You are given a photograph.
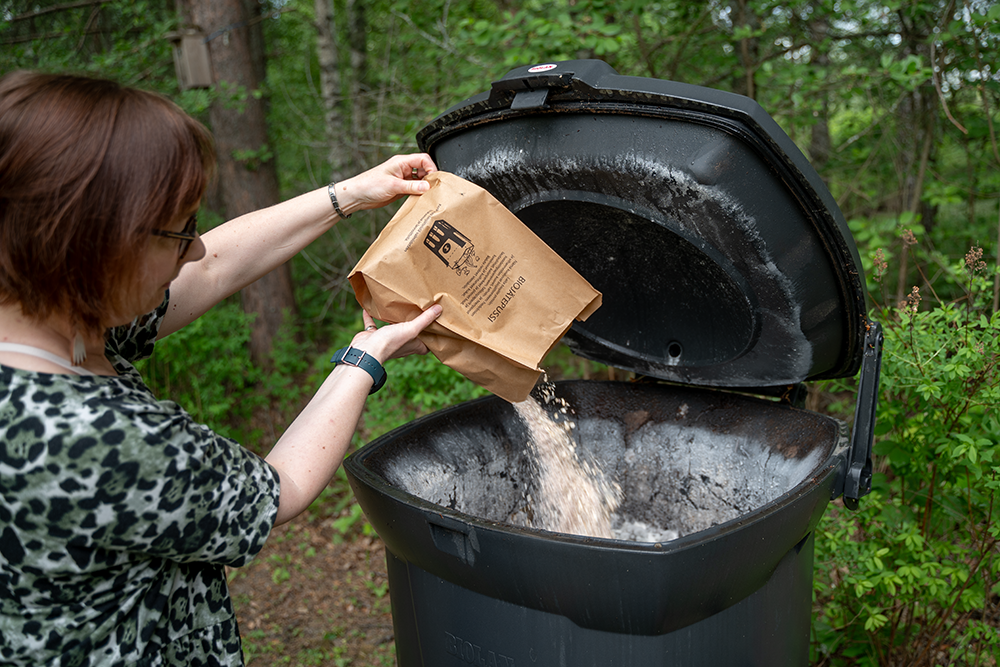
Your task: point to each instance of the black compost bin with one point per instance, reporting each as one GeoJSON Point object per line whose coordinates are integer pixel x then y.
{"type": "Point", "coordinates": [727, 270]}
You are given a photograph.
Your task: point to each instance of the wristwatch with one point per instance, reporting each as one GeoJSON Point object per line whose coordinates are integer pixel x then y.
{"type": "Point", "coordinates": [352, 356]}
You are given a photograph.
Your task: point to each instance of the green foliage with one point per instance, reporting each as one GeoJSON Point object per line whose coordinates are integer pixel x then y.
{"type": "Point", "coordinates": [252, 158]}
{"type": "Point", "coordinates": [541, 31]}
{"type": "Point", "coordinates": [417, 385]}
{"type": "Point", "coordinates": [206, 368]}
{"type": "Point", "coordinates": [125, 41]}
{"type": "Point", "coordinates": [350, 522]}
{"type": "Point", "coordinates": [912, 577]}
{"type": "Point", "coordinates": [280, 574]}
{"type": "Point", "coordinates": [563, 364]}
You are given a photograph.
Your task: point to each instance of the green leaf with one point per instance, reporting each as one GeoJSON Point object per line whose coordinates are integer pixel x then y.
{"type": "Point", "coordinates": [875, 621]}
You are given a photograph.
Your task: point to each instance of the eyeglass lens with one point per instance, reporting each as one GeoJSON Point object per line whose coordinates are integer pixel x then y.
{"type": "Point", "coordinates": [190, 228]}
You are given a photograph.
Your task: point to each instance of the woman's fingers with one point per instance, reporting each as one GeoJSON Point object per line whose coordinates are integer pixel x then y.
{"type": "Point", "coordinates": [368, 320]}
{"type": "Point", "coordinates": [395, 340]}
{"type": "Point", "coordinates": [416, 166]}
{"type": "Point", "coordinates": [389, 181]}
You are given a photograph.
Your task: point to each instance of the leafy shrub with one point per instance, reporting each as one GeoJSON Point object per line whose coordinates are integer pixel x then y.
{"type": "Point", "coordinates": [206, 368]}
{"type": "Point", "coordinates": [912, 577]}
{"type": "Point", "coordinates": [417, 385]}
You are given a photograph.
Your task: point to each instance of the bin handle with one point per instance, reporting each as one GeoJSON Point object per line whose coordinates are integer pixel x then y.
{"type": "Point", "coordinates": [532, 92]}
{"type": "Point", "coordinates": [858, 482]}
{"type": "Point", "coordinates": [454, 538]}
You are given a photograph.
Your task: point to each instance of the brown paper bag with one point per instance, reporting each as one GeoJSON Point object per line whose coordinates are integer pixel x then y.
{"type": "Point", "coordinates": [508, 298]}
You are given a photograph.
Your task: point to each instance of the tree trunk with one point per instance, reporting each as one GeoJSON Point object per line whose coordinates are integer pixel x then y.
{"type": "Point", "coordinates": [916, 123]}
{"type": "Point", "coordinates": [819, 137]}
{"type": "Point", "coordinates": [747, 49]}
{"type": "Point", "coordinates": [357, 41]}
{"type": "Point", "coordinates": [248, 178]}
{"type": "Point", "coordinates": [330, 90]}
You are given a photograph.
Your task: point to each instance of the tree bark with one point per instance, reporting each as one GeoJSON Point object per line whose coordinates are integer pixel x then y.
{"type": "Point", "coordinates": [819, 136]}
{"type": "Point", "coordinates": [248, 177]}
{"type": "Point", "coordinates": [357, 41]}
{"type": "Point", "coordinates": [915, 131]}
{"type": "Point", "coordinates": [747, 49]}
{"type": "Point", "coordinates": [330, 84]}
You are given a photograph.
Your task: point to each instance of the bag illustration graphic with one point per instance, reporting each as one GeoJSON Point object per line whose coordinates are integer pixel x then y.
{"type": "Point", "coordinates": [451, 246]}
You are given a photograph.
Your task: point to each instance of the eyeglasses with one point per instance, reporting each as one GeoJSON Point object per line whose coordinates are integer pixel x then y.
{"type": "Point", "coordinates": [186, 235]}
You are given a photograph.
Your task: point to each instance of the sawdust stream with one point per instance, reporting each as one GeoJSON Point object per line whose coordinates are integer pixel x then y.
{"type": "Point", "coordinates": [573, 494]}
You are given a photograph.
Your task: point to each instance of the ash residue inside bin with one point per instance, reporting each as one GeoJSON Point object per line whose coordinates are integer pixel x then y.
{"type": "Point", "coordinates": [682, 466]}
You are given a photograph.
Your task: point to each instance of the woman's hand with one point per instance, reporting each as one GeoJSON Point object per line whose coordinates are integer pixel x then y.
{"type": "Point", "coordinates": [393, 341]}
{"type": "Point", "coordinates": [398, 176]}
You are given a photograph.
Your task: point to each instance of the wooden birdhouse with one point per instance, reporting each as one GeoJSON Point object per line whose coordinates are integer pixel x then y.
{"type": "Point", "coordinates": [191, 59]}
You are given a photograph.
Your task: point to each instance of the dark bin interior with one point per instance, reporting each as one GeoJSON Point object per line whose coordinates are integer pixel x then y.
{"type": "Point", "coordinates": [686, 461]}
{"type": "Point", "coordinates": [744, 480]}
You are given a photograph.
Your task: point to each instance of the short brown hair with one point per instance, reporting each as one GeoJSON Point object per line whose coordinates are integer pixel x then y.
{"type": "Point", "coordinates": [88, 168]}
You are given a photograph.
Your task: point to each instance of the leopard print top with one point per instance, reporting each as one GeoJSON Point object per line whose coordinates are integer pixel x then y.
{"type": "Point", "coordinates": [118, 514]}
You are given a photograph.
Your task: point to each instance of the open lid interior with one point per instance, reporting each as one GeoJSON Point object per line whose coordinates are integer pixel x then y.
{"type": "Point", "coordinates": [722, 258]}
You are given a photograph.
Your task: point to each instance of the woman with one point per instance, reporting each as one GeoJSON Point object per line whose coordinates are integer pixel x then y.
{"type": "Point", "coordinates": [118, 513]}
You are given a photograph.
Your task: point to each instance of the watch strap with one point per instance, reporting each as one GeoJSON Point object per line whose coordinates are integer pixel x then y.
{"type": "Point", "coordinates": [352, 356]}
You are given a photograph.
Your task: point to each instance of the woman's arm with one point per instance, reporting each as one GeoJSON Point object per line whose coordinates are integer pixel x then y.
{"type": "Point", "coordinates": [308, 453]}
{"type": "Point", "coordinates": [247, 248]}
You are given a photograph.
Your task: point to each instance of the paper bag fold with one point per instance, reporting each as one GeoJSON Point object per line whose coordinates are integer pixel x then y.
{"type": "Point", "coordinates": [507, 297]}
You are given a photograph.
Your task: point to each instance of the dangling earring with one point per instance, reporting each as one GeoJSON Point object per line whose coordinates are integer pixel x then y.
{"type": "Point", "coordinates": [79, 349]}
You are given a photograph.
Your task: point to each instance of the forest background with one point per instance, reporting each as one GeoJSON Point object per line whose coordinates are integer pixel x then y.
{"type": "Point", "coordinates": [895, 104]}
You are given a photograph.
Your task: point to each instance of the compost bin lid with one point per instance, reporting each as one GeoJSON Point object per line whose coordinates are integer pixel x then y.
{"type": "Point", "coordinates": [722, 257]}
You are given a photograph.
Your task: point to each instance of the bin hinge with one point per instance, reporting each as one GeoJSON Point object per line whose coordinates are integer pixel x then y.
{"type": "Point", "coordinates": [858, 481]}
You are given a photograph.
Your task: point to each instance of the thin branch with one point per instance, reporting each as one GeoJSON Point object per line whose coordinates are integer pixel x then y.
{"type": "Point", "coordinates": [936, 78]}
{"type": "Point", "coordinates": [943, 616]}
{"type": "Point", "coordinates": [648, 52]}
{"type": "Point", "coordinates": [875, 123]}
{"type": "Point", "coordinates": [996, 276]}
{"type": "Point", "coordinates": [51, 35]}
{"type": "Point", "coordinates": [448, 48]}
{"type": "Point", "coordinates": [90, 25]}
{"type": "Point", "coordinates": [56, 8]}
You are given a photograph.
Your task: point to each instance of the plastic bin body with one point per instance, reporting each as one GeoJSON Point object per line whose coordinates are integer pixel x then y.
{"type": "Point", "coordinates": [439, 623]}
{"type": "Point", "coordinates": [735, 587]}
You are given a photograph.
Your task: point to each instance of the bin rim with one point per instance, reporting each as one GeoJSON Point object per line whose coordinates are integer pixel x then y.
{"type": "Point", "coordinates": [833, 465]}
